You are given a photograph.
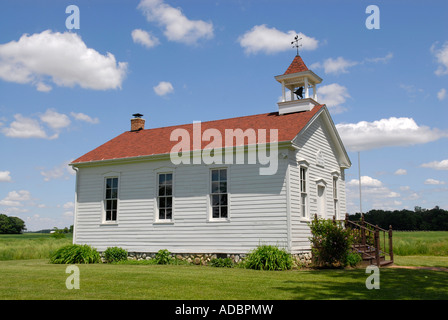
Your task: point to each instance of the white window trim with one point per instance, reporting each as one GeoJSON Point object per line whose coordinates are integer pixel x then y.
{"type": "Point", "coordinates": [336, 208]}
{"type": "Point", "coordinates": [304, 164]}
{"type": "Point", "coordinates": [336, 192]}
{"type": "Point", "coordinates": [335, 187]}
{"type": "Point", "coordinates": [105, 176]}
{"type": "Point", "coordinates": [209, 194]}
{"type": "Point", "coordinates": [158, 171]}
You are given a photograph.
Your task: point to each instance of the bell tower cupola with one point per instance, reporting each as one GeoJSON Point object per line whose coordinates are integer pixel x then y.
{"type": "Point", "coordinates": [300, 81]}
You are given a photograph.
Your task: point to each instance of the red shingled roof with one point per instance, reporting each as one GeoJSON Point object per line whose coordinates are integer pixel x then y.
{"type": "Point", "coordinates": [157, 141]}
{"type": "Point", "coordinates": [297, 65]}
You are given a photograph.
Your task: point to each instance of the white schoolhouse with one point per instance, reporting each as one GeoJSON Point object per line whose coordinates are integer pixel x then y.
{"type": "Point", "coordinates": [151, 188]}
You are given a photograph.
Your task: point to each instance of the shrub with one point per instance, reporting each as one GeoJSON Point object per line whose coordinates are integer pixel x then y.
{"type": "Point", "coordinates": [75, 253]}
{"type": "Point", "coordinates": [163, 257]}
{"type": "Point", "coordinates": [268, 257]}
{"type": "Point", "coordinates": [353, 258]}
{"type": "Point", "coordinates": [115, 254]}
{"type": "Point", "coordinates": [331, 243]}
{"type": "Point", "coordinates": [221, 263]}
{"type": "Point", "coordinates": [58, 234]}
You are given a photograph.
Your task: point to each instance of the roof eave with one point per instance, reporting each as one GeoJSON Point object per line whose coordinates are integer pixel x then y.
{"type": "Point", "coordinates": [163, 156]}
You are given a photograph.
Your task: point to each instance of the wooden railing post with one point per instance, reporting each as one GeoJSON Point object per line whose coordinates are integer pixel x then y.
{"type": "Point", "coordinates": [391, 250]}
{"type": "Point", "coordinates": [377, 245]}
{"type": "Point", "coordinates": [363, 231]}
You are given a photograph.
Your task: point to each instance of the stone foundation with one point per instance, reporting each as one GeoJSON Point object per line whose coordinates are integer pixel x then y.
{"type": "Point", "coordinates": [303, 259]}
{"type": "Point", "coordinates": [194, 258]}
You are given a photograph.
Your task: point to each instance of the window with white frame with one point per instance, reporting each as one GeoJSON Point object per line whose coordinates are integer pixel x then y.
{"type": "Point", "coordinates": [335, 196]}
{"type": "Point", "coordinates": [303, 191]}
{"type": "Point", "coordinates": [219, 194]}
{"type": "Point", "coordinates": [165, 196]}
{"type": "Point", "coordinates": [111, 199]}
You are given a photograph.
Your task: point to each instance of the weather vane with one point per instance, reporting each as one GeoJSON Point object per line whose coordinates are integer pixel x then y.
{"type": "Point", "coordinates": [296, 44]}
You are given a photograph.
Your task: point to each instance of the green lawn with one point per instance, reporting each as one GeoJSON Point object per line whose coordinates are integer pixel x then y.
{"type": "Point", "coordinates": [36, 279]}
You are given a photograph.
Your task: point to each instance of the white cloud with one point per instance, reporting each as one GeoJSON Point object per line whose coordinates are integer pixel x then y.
{"type": "Point", "coordinates": [341, 65]}
{"type": "Point", "coordinates": [144, 38]}
{"type": "Point", "coordinates": [55, 119]}
{"type": "Point", "coordinates": [434, 182]}
{"type": "Point", "coordinates": [68, 214]}
{"type": "Point", "coordinates": [42, 87]}
{"type": "Point", "coordinates": [24, 127]}
{"type": "Point", "coordinates": [163, 88]}
{"type": "Point", "coordinates": [366, 181]}
{"type": "Point", "coordinates": [68, 205]}
{"type": "Point", "coordinates": [62, 171]}
{"type": "Point", "coordinates": [334, 66]}
{"type": "Point", "coordinates": [441, 55]}
{"type": "Point", "coordinates": [401, 172]}
{"type": "Point", "coordinates": [83, 117]}
{"type": "Point", "coordinates": [384, 59]}
{"type": "Point", "coordinates": [441, 94]}
{"type": "Point", "coordinates": [333, 95]}
{"type": "Point", "coordinates": [438, 165]}
{"type": "Point", "coordinates": [5, 176]}
{"type": "Point", "coordinates": [374, 194]}
{"type": "Point", "coordinates": [62, 58]}
{"type": "Point", "coordinates": [270, 40]}
{"type": "Point", "coordinates": [385, 133]}
{"type": "Point", "coordinates": [15, 198]}
{"type": "Point", "coordinates": [177, 26]}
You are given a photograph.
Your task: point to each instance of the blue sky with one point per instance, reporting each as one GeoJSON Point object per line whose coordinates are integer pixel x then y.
{"type": "Point", "coordinates": [64, 92]}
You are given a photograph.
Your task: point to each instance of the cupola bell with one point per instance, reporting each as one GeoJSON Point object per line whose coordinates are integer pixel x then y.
{"type": "Point", "coordinates": [300, 81]}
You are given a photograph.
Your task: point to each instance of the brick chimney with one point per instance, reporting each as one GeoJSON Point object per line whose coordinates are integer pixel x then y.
{"type": "Point", "coordinates": [137, 123]}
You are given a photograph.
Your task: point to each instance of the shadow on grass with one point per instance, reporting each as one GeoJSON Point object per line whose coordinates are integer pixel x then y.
{"type": "Point", "coordinates": [395, 284]}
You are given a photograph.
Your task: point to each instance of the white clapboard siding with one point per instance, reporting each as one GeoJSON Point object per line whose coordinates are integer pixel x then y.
{"type": "Point", "coordinates": [263, 209]}
{"type": "Point", "coordinates": [316, 138]}
{"type": "Point", "coordinates": [258, 209]}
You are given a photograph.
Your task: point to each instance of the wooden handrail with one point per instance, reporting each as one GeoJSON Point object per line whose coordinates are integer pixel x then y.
{"type": "Point", "coordinates": [364, 228]}
{"type": "Point", "coordinates": [376, 227]}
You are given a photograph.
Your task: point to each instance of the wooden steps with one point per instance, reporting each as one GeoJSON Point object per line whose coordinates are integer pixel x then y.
{"type": "Point", "coordinates": [368, 254]}
{"type": "Point", "coordinates": [373, 253]}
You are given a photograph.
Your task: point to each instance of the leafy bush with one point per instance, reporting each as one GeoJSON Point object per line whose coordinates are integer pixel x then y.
{"type": "Point", "coordinates": [115, 254]}
{"type": "Point", "coordinates": [268, 257]}
{"type": "Point", "coordinates": [58, 234]}
{"type": "Point", "coordinates": [75, 253]}
{"type": "Point", "coordinates": [331, 243]}
{"type": "Point", "coordinates": [221, 263]}
{"type": "Point", "coordinates": [163, 257]}
{"type": "Point", "coordinates": [353, 258]}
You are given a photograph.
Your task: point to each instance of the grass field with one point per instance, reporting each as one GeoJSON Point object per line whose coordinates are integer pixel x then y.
{"type": "Point", "coordinates": [36, 279]}
{"type": "Point", "coordinates": [29, 245]}
{"type": "Point", "coordinates": [26, 275]}
{"type": "Point", "coordinates": [433, 243]}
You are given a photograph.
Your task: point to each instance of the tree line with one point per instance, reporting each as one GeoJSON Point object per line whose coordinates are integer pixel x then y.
{"type": "Point", "coordinates": [11, 225]}
{"type": "Point", "coordinates": [435, 219]}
